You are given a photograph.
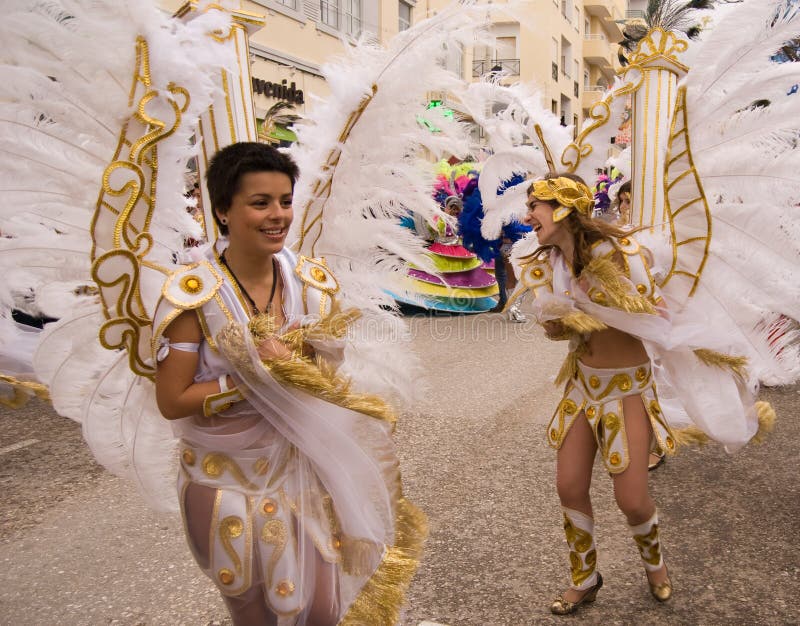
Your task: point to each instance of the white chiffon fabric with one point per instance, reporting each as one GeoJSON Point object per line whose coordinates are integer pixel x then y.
{"type": "Point", "coordinates": [691, 393]}
{"type": "Point", "coordinates": [330, 451]}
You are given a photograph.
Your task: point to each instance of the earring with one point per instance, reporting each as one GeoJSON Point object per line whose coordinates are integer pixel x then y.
{"type": "Point", "coordinates": [224, 220]}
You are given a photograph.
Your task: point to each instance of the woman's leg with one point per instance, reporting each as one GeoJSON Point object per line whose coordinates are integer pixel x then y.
{"type": "Point", "coordinates": [324, 609]}
{"type": "Point", "coordinates": [574, 463]}
{"type": "Point", "coordinates": [248, 608]}
{"type": "Point", "coordinates": [631, 488]}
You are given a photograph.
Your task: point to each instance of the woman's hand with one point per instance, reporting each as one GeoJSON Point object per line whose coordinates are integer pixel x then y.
{"type": "Point", "coordinates": [272, 349]}
{"type": "Point", "coordinates": [554, 328]}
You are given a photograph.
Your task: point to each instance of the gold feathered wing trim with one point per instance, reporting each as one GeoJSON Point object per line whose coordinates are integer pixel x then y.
{"type": "Point", "coordinates": [610, 276]}
{"type": "Point", "coordinates": [736, 364]}
{"type": "Point", "coordinates": [316, 377]}
{"type": "Point", "coordinates": [766, 422]}
{"type": "Point", "coordinates": [379, 601]}
{"type": "Point", "coordinates": [23, 390]}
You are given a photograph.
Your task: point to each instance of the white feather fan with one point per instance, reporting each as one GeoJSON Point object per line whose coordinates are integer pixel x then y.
{"type": "Point", "coordinates": [65, 83]}
{"type": "Point", "coordinates": [364, 158]}
{"type": "Point", "coordinates": [744, 128]}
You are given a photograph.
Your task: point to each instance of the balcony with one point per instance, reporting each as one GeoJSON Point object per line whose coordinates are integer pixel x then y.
{"type": "Point", "coordinates": [591, 94]}
{"type": "Point", "coordinates": [507, 67]}
{"type": "Point", "coordinates": [597, 51]}
{"type": "Point", "coordinates": [599, 8]}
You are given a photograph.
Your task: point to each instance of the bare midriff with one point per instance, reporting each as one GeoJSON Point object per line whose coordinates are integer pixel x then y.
{"type": "Point", "coordinates": [611, 348]}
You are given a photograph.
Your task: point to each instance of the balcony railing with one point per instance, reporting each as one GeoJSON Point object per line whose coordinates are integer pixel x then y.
{"type": "Point", "coordinates": [595, 36]}
{"type": "Point", "coordinates": [599, 88]}
{"type": "Point", "coordinates": [576, 88]}
{"type": "Point", "coordinates": [634, 15]}
{"type": "Point", "coordinates": [509, 67]}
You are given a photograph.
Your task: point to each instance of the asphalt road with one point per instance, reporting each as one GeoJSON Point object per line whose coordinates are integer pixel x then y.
{"type": "Point", "coordinates": [79, 546]}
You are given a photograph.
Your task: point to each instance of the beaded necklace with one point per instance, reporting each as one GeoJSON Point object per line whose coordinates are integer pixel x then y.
{"type": "Point", "coordinates": [252, 302]}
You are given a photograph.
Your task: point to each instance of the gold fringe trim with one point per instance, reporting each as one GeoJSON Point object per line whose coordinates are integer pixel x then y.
{"type": "Point", "coordinates": [569, 368]}
{"type": "Point", "coordinates": [766, 422]}
{"type": "Point", "coordinates": [321, 380]}
{"type": "Point", "coordinates": [316, 377]}
{"type": "Point", "coordinates": [24, 390]}
{"type": "Point", "coordinates": [582, 323]}
{"type": "Point", "coordinates": [736, 364]}
{"type": "Point", "coordinates": [610, 276]}
{"type": "Point", "coordinates": [379, 601]}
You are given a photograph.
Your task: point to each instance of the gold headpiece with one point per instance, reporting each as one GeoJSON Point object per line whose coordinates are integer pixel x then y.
{"type": "Point", "coordinates": [570, 195]}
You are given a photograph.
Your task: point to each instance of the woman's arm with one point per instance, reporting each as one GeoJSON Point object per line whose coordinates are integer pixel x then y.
{"type": "Point", "coordinates": [176, 392]}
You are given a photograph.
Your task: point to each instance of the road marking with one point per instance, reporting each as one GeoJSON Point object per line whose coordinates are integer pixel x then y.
{"type": "Point", "coordinates": [17, 446]}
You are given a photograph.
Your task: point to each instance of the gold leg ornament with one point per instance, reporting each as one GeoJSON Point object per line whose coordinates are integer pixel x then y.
{"type": "Point", "coordinates": [646, 537]}
{"type": "Point", "coordinates": [579, 530]}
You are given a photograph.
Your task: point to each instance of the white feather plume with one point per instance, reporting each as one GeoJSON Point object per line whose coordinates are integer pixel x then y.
{"type": "Point", "coordinates": [364, 165]}
{"type": "Point", "coordinates": [66, 70]}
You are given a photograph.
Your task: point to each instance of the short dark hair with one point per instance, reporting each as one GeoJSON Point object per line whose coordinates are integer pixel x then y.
{"type": "Point", "coordinates": [624, 188]}
{"type": "Point", "coordinates": [234, 161]}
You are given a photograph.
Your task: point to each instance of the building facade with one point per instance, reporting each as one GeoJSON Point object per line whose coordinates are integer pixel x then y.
{"type": "Point", "coordinates": [567, 47]}
{"type": "Point", "coordinates": [299, 36]}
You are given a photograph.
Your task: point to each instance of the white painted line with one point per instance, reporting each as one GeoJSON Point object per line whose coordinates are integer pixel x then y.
{"type": "Point", "coordinates": [17, 446]}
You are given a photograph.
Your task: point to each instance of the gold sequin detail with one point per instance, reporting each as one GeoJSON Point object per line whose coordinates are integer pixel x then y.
{"type": "Point", "coordinates": [649, 546]}
{"type": "Point", "coordinates": [670, 443]}
{"type": "Point", "coordinates": [226, 576]}
{"type": "Point", "coordinates": [261, 466]}
{"type": "Point", "coordinates": [611, 421]}
{"type": "Point", "coordinates": [625, 241]}
{"type": "Point", "coordinates": [285, 588]}
{"type": "Point", "coordinates": [189, 456]}
{"type": "Point", "coordinates": [590, 412]}
{"type": "Point", "coordinates": [626, 384]}
{"type": "Point", "coordinates": [594, 381]}
{"type": "Point", "coordinates": [268, 506]}
{"type": "Point", "coordinates": [538, 273]}
{"type": "Point", "coordinates": [553, 434]}
{"type": "Point", "coordinates": [614, 459]}
{"type": "Point", "coordinates": [191, 284]}
{"type": "Point", "coordinates": [569, 407]}
{"type": "Point", "coordinates": [642, 289]}
{"type": "Point", "coordinates": [599, 297]}
{"type": "Point", "coordinates": [318, 275]}
{"type": "Point", "coordinates": [641, 374]}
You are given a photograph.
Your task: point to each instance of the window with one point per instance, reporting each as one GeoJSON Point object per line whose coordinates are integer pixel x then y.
{"type": "Point", "coordinates": [351, 16]}
{"type": "Point", "coordinates": [506, 47]}
{"type": "Point", "coordinates": [292, 4]}
{"type": "Point", "coordinates": [554, 106]}
{"type": "Point", "coordinates": [586, 79]}
{"type": "Point", "coordinates": [344, 15]}
{"type": "Point", "coordinates": [555, 50]}
{"type": "Point", "coordinates": [404, 22]}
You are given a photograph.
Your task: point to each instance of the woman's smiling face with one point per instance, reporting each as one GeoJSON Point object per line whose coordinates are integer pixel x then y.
{"type": "Point", "coordinates": [540, 218]}
{"type": "Point", "coordinates": [261, 212]}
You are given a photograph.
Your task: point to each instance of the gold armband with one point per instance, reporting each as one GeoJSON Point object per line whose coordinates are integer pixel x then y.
{"type": "Point", "coordinates": [219, 402]}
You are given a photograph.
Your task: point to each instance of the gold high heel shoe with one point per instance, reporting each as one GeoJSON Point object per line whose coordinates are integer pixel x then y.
{"type": "Point", "coordinates": [561, 606]}
{"type": "Point", "coordinates": [662, 591]}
